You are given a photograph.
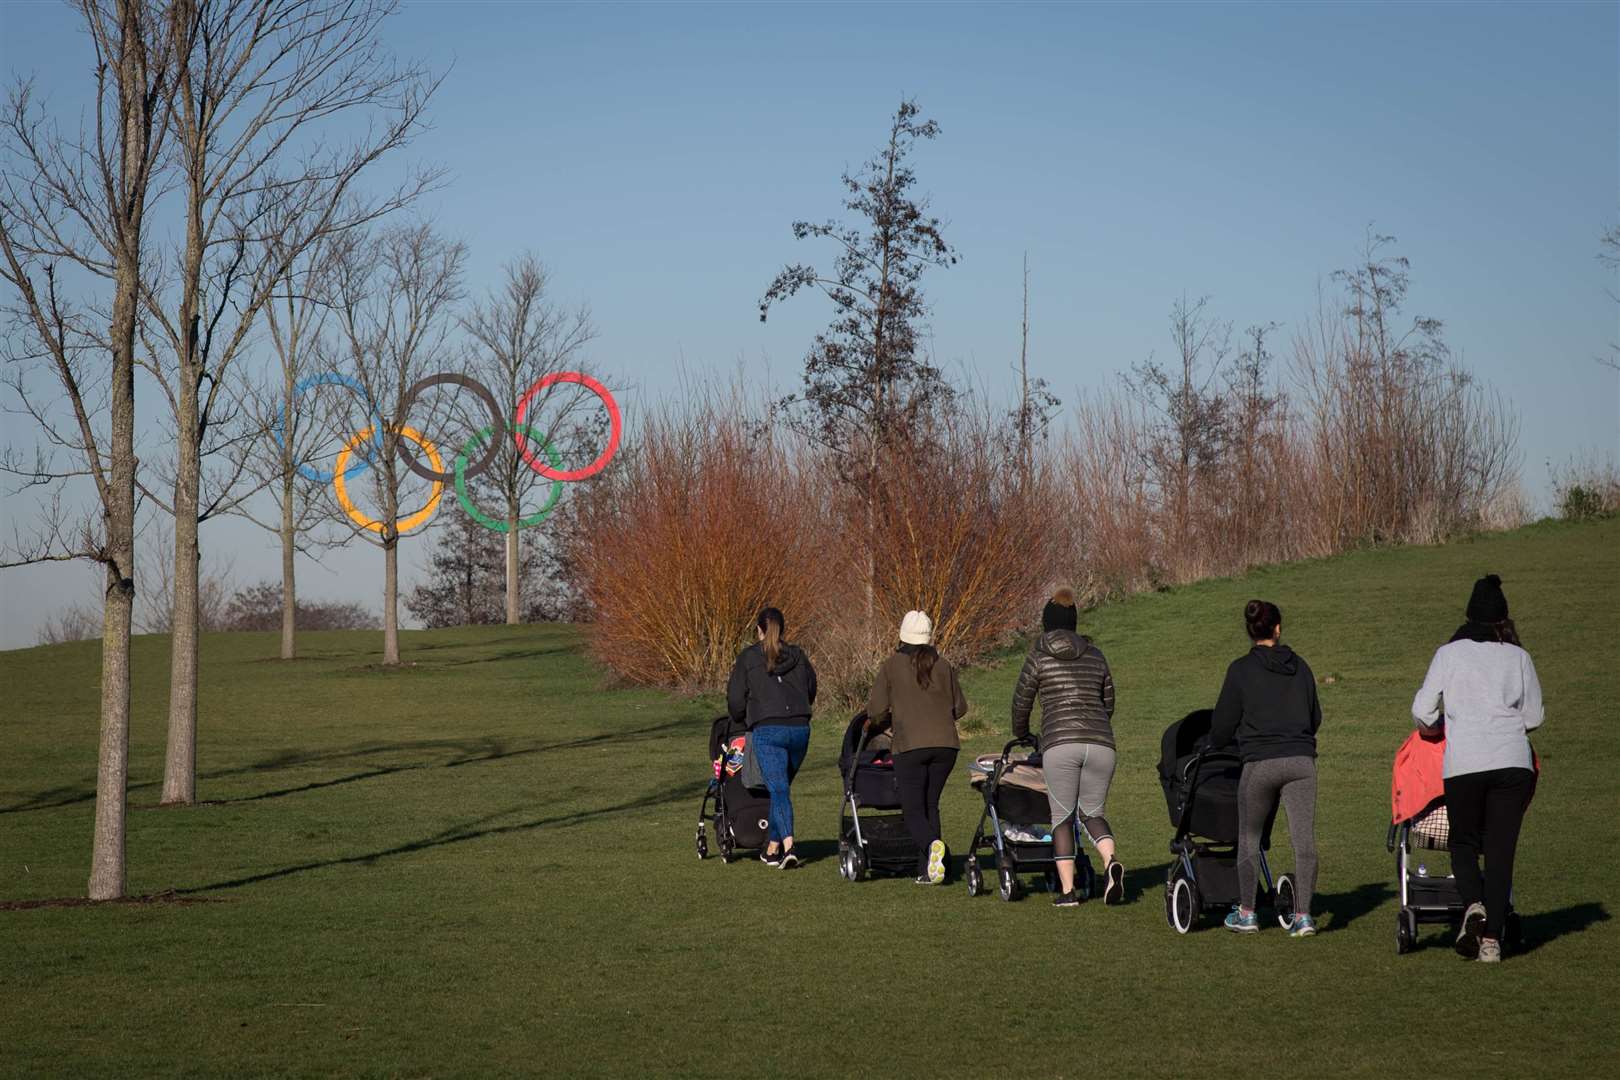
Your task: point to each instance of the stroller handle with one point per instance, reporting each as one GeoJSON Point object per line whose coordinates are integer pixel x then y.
{"type": "Point", "coordinates": [1030, 741]}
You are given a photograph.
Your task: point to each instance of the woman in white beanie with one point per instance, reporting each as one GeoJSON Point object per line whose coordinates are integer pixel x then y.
{"type": "Point", "coordinates": [917, 689]}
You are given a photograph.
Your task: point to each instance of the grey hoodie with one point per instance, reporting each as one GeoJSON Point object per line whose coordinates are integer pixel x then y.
{"type": "Point", "coordinates": [1076, 689]}
{"type": "Point", "coordinates": [1491, 700]}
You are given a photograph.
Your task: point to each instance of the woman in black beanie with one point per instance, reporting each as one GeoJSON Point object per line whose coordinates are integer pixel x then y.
{"type": "Point", "coordinates": [1076, 689]}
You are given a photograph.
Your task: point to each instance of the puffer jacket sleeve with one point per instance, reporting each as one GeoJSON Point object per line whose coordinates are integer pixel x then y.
{"type": "Point", "coordinates": [1107, 686]}
{"type": "Point", "coordinates": [1023, 702]}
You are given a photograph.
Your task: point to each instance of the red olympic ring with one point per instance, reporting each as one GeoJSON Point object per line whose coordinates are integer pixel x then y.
{"type": "Point", "coordinates": [615, 428]}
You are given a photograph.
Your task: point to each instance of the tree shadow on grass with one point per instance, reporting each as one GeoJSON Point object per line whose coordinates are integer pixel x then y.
{"type": "Point", "coordinates": [1346, 907]}
{"type": "Point", "coordinates": [456, 834]}
{"type": "Point", "coordinates": [1544, 926]}
{"type": "Point", "coordinates": [461, 752]}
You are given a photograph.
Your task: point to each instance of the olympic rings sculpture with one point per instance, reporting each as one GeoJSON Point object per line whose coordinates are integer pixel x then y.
{"type": "Point", "coordinates": [360, 448]}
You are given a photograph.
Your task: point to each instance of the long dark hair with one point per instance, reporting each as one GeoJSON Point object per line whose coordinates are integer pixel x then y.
{"type": "Point", "coordinates": [1261, 618]}
{"type": "Point", "coordinates": [773, 626]}
{"type": "Point", "coordinates": [1502, 631]}
{"type": "Point", "coordinates": [922, 664]}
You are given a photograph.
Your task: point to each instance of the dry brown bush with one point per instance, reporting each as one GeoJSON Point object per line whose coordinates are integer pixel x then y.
{"type": "Point", "coordinates": [706, 519]}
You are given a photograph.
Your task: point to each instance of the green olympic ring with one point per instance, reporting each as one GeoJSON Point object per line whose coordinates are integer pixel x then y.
{"type": "Point", "coordinates": [461, 480]}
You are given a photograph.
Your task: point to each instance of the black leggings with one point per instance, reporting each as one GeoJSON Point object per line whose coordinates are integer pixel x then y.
{"type": "Point", "coordinates": [1485, 811]}
{"type": "Point", "coordinates": [921, 775]}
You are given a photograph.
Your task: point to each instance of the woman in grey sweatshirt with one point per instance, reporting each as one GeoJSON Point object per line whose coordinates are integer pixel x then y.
{"type": "Point", "coordinates": [1483, 685]}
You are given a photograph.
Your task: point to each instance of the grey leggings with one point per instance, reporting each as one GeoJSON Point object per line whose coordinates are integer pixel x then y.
{"type": "Point", "coordinates": [1292, 780]}
{"type": "Point", "coordinates": [1077, 779]}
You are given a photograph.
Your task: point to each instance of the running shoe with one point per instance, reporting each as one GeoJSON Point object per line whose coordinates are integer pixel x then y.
{"type": "Point", "coordinates": [1242, 922]}
{"type": "Point", "coordinates": [921, 879]}
{"type": "Point", "coordinates": [936, 862]}
{"type": "Point", "coordinates": [1302, 926]}
{"type": "Point", "coordinates": [1490, 951]}
{"type": "Point", "coordinates": [789, 860]}
{"type": "Point", "coordinates": [771, 858]}
{"type": "Point", "coordinates": [1066, 899]}
{"type": "Point", "coordinates": [1473, 925]}
{"type": "Point", "coordinates": [1114, 890]}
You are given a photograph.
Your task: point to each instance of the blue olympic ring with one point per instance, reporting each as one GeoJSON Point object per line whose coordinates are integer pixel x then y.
{"type": "Point", "coordinates": [332, 378]}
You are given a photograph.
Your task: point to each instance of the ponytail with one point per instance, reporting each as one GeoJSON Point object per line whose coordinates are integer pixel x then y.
{"type": "Point", "coordinates": [922, 664]}
{"type": "Point", "coordinates": [772, 625]}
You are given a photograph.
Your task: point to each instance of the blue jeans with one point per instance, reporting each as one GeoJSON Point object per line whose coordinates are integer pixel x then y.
{"type": "Point", "coordinates": [781, 749]}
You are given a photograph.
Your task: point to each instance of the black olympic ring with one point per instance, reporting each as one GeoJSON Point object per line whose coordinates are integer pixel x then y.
{"type": "Point", "coordinates": [484, 395]}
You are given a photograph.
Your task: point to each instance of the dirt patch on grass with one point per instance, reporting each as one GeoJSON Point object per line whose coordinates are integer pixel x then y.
{"type": "Point", "coordinates": [167, 897]}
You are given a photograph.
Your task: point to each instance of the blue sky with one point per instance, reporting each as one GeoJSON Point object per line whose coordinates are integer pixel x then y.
{"type": "Point", "coordinates": [654, 156]}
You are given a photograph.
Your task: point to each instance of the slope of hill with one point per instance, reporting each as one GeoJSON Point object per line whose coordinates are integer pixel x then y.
{"type": "Point", "coordinates": [482, 863]}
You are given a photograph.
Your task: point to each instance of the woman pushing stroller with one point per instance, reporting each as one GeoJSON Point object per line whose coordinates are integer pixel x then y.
{"type": "Point", "coordinates": [1268, 704]}
{"type": "Point", "coordinates": [1076, 690]}
{"type": "Point", "coordinates": [1484, 685]}
{"type": "Point", "coordinates": [917, 690]}
{"type": "Point", "coordinates": [773, 686]}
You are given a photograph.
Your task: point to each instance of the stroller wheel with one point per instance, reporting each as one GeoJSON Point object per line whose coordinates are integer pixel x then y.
{"type": "Point", "coordinates": [1405, 931]}
{"type": "Point", "coordinates": [1010, 888]}
{"type": "Point", "coordinates": [1282, 901]}
{"type": "Point", "coordinates": [728, 848]}
{"type": "Point", "coordinates": [1181, 903]}
{"type": "Point", "coordinates": [975, 878]}
{"type": "Point", "coordinates": [702, 846]}
{"type": "Point", "coordinates": [850, 863]}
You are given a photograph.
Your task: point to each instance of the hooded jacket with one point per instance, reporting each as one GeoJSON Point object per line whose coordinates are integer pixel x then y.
{"type": "Point", "coordinates": [782, 695]}
{"type": "Point", "coordinates": [1268, 705]}
{"type": "Point", "coordinates": [1076, 690]}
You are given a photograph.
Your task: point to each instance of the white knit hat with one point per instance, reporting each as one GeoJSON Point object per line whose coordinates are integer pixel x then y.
{"type": "Point", "coordinates": [916, 628]}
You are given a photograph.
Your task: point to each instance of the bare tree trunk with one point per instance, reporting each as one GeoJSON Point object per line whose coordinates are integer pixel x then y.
{"type": "Point", "coordinates": [180, 760]}
{"type": "Point", "coordinates": [108, 879]}
{"type": "Point", "coordinates": [289, 591]}
{"type": "Point", "coordinates": [513, 604]}
{"type": "Point", "coordinates": [391, 601]}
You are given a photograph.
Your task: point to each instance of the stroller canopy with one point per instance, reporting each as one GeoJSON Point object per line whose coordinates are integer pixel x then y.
{"type": "Point", "coordinates": [1182, 739]}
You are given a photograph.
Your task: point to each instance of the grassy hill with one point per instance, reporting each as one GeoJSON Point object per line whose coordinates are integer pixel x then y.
{"type": "Point", "coordinates": [482, 863]}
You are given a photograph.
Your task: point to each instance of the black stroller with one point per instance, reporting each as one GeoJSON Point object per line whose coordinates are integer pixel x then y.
{"type": "Point", "coordinates": [741, 816]}
{"type": "Point", "coordinates": [1018, 814]}
{"type": "Point", "coordinates": [869, 841]}
{"type": "Point", "coordinates": [1201, 793]}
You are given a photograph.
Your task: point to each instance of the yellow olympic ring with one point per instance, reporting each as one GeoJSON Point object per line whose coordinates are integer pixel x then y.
{"type": "Point", "coordinates": [341, 489]}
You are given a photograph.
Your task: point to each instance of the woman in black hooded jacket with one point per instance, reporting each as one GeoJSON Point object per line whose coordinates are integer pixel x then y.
{"type": "Point", "coordinates": [772, 688]}
{"type": "Point", "coordinates": [1268, 706]}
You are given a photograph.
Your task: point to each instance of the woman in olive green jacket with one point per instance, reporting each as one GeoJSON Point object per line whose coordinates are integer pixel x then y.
{"type": "Point", "coordinates": [917, 689]}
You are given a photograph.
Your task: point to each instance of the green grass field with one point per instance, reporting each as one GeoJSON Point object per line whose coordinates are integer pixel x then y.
{"type": "Point", "coordinates": [483, 864]}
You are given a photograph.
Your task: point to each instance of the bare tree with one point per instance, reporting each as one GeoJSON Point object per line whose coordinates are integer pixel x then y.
{"type": "Point", "coordinates": [868, 384]}
{"type": "Point", "coordinates": [294, 427]}
{"type": "Point", "coordinates": [1609, 258]}
{"type": "Point", "coordinates": [1186, 443]}
{"type": "Point", "coordinates": [520, 337]}
{"type": "Point", "coordinates": [1036, 402]}
{"type": "Point", "coordinates": [257, 85]}
{"type": "Point", "coordinates": [393, 298]}
{"type": "Point", "coordinates": [72, 217]}
{"type": "Point", "coordinates": [76, 622]}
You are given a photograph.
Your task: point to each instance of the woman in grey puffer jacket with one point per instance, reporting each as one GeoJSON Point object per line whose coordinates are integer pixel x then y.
{"type": "Point", "coordinates": [1076, 690]}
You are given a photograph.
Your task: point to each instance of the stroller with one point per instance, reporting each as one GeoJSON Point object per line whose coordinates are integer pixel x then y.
{"type": "Point", "coordinates": [1019, 838]}
{"type": "Point", "coordinates": [741, 816]}
{"type": "Point", "coordinates": [870, 841]}
{"type": "Point", "coordinates": [1418, 822]}
{"type": "Point", "coordinates": [1200, 791]}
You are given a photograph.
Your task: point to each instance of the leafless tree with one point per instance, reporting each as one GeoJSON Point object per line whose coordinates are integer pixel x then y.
{"type": "Point", "coordinates": [393, 300]}
{"type": "Point", "coordinates": [73, 209]}
{"type": "Point", "coordinates": [1190, 433]}
{"type": "Point", "coordinates": [294, 428]}
{"type": "Point", "coordinates": [1609, 257]}
{"type": "Point", "coordinates": [520, 337]}
{"type": "Point", "coordinates": [261, 86]}
{"type": "Point", "coordinates": [1036, 402]}
{"type": "Point", "coordinates": [76, 622]}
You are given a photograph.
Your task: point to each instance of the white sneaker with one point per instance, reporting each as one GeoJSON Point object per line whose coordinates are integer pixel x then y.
{"type": "Point", "coordinates": [1473, 924]}
{"type": "Point", "coordinates": [1490, 951]}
